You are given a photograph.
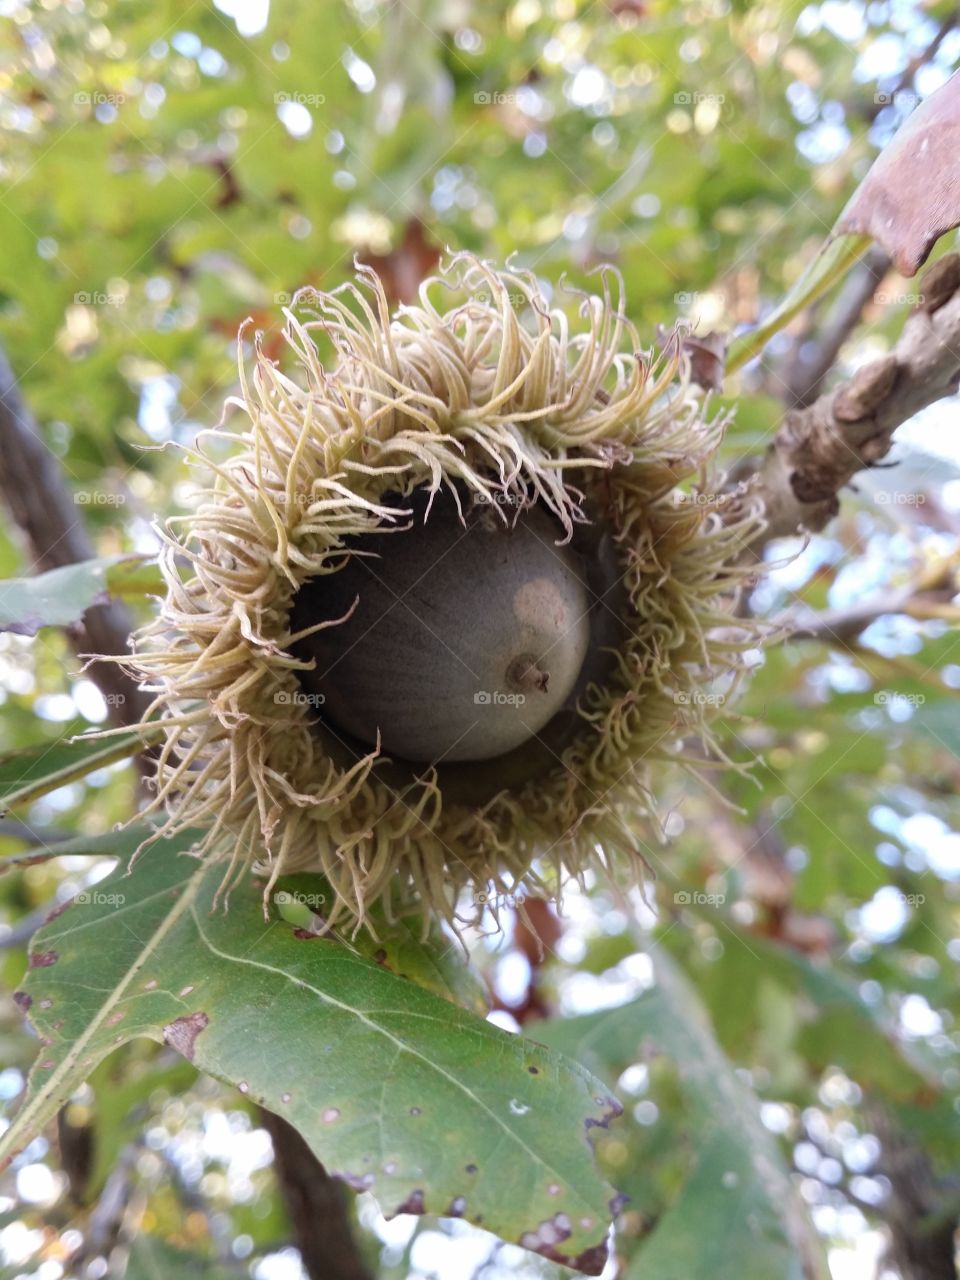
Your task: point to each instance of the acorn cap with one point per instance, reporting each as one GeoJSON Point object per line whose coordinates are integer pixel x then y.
{"type": "Point", "coordinates": [298, 742]}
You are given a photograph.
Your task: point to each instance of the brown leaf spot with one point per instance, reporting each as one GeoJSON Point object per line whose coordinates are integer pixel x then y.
{"type": "Point", "coordinates": [592, 1261]}
{"type": "Point", "coordinates": [23, 1000]}
{"type": "Point", "coordinates": [470, 1168]}
{"type": "Point", "coordinates": [414, 1203]}
{"type": "Point", "coordinates": [457, 1206]}
{"type": "Point", "coordinates": [358, 1181]}
{"type": "Point", "coordinates": [151, 985]}
{"type": "Point", "coordinates": [553, 1232]}
{"type": "Point", "coordinates": [58, 910]}
{"type": "Point", "coordinates": [618, 1202]}
{"type": "Point", "coordinates": [612, 1109]}
{"type": "Point", "coordinates": [115, 1017]}
{"type": "Point", "coordinates": [182, 1033]}
{"type": "Point", "coordinates": [43, 959]}
{"type": "Point", "coordinates": [331, 1114]}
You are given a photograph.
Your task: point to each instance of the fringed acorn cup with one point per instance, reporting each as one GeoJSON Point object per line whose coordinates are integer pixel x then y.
{"type": "Point", "coordinates": [458, 591]}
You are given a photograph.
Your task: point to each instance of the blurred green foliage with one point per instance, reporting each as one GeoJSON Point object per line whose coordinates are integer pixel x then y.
{"type": "Point", "coordinates": [168, 171]}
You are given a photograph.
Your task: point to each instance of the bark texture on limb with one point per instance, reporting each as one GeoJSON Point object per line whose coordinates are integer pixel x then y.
{"type": "Point", "coordinates": [921, 1210]}
{"type": "Point", "coordinates": [33, 487]}
{"type": "Point", "coordinates": [316, 1206]}
{"type": "Point", "coordinates": [820, 448]}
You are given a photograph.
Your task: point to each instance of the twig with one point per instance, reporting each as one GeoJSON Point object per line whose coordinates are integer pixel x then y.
{"type": "Point", "coordinates": [32, 483]}
{"type": "Point", "coordinates": [106, 1217]}
{"type": "Point", "coordinates": [14, 829]}
{"type": "Point", "coordinates": [935, 587]}
{"type": "Point", "coordinates": [815, 357]}
{"type": "Point", "coordinates": [316, 1207]}
{"type": "Point", "coordinates": [921, 1210]}
{"type": "Point", "coordinates": [913, 66]}
{"type": "Point", "coordinates": [819, 449]}
{"type": "Point", "coordinates": [19, 934]}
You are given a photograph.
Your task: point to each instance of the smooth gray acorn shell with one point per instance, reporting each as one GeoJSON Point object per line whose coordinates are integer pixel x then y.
{"type": "Point", "coordinates": [465, 641]}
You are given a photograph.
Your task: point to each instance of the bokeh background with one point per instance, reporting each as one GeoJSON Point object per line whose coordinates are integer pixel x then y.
{"type": "Point", "coordinates": [168, 170]}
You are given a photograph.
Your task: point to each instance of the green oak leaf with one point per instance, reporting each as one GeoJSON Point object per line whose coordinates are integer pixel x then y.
{"type": "Point", "coordinates": [734, 1214]}
{"type": "Point", "coordinates": [61, 596]}
{"type": "Point", "coordinates": [397, 1090]}
{"type": "Point", "coordinates": [27, 775]}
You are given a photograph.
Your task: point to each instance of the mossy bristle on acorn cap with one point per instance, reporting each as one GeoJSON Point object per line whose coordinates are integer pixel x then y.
{"type": "Point", "coordinates": [434, 425]}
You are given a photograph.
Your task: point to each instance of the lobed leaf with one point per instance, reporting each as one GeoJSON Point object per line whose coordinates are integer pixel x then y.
{"type": "Point", "coordinates": [396, 1089]}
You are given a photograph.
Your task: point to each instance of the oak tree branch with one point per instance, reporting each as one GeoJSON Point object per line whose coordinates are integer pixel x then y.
{"type": "Point", "coordinates": [820, 448]}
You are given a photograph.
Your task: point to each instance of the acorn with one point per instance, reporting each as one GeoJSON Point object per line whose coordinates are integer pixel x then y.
{"type": "Point", "coordinates": [468, 635]}
{"type": "Point", "coordinates": [452, 598]}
